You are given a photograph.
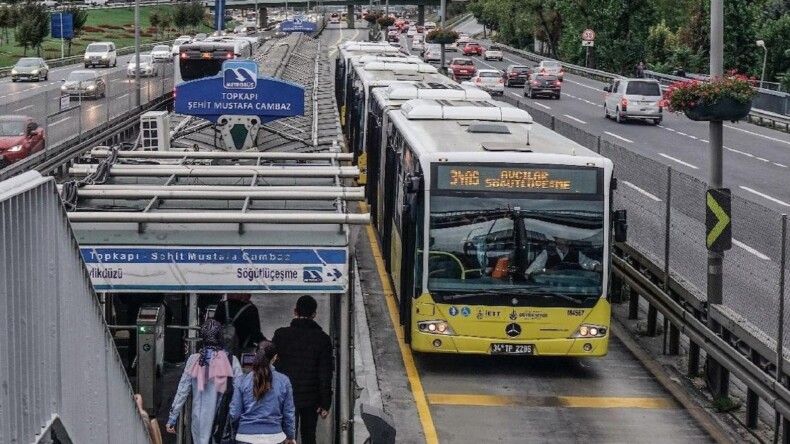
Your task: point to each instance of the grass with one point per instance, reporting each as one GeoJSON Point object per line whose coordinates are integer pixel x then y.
{"type": "Point", "coordinates": [115, 25]}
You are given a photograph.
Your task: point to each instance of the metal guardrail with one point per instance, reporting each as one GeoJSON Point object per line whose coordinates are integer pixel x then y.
{"type": "Point", "coordinates": [74, 60]}
{"type": "Point", "coordinates": [756, 116]}
{"type": "Point", "coordinates": [736, 348]}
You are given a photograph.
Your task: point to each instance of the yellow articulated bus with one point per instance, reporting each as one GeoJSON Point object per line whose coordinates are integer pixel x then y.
{"type": "Point", "coordinates": [496, 231]}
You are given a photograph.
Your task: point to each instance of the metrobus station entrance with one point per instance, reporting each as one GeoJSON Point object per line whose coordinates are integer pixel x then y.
{"type": "Point", "coordinates": [166, 235]}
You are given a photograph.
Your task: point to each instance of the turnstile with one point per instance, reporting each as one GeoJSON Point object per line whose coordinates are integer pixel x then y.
{"type": "Point", "coordinates": [150, 354]}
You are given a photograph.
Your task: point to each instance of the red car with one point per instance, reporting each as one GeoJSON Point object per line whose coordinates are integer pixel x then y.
{"type": "Point", "coordinates": [20, 137]}
{"type": "Point", "coordinates": [473, 48]}
{"type": "Point", "coordinates": [462, 68]}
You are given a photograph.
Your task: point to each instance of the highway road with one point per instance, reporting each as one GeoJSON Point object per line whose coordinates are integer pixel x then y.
{"type": "Point", "coordinates": [756, 159]}
{"type": "Point", "coordinates": [41, 100]}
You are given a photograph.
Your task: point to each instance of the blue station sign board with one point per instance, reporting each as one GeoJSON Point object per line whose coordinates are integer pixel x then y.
{"type": "Point", "coordinates": [239, 91]}
{"type": "Point", "coordinates": [62, 25]}
{"type": "Point", "coordinates": [298, 24]}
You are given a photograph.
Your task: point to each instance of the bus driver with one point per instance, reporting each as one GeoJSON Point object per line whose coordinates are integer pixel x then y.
{"type": "Point", "coordinates": [562, 256]}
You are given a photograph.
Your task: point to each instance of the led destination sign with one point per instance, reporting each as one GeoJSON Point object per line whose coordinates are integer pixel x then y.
{"type": "Point", "coordinates": [510, 179]}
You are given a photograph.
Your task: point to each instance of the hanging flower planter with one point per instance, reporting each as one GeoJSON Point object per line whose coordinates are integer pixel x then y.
{"type": "Point", "coordinates": [441, 36]}
{"type": "Point", "coordinates": [725, 109]}
{"type": "Point", "coordinates": [720, 99]}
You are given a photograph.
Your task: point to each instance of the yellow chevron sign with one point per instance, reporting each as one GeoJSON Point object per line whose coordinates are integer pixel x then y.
{"type": "Point", "coordinates": [718, 219]}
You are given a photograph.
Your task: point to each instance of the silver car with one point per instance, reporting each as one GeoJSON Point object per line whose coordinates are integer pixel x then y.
{"type": "Point", "coordinates": [84, 83]}
{"type": "Point", "coordinates": [161, 53]}
{"type": "Point", "coordinates": [551, 68]}
{"type": "Point", "coordinates": [30, 68]}
{"type": "Point", "coordinates": [489, 80]}
{"type": "Point", "coordinates": [433, 53]}
{"type": "Point", "coordinates": [634, 99]}
{"type": "Point", "coordinates": [147, 66]}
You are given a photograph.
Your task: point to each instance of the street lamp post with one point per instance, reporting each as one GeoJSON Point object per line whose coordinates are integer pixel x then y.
{"type": "Point", "coordinates": [137, 53]}
{"type": "Point", "coordinates": [761, 44]}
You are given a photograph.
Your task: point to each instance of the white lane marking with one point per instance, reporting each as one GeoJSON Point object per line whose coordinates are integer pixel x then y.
{"type": "Point", "coordinates": [582, 84]}
{"type": "Point", "coordinates": [121, 97]}
{"type": "Point", "coordinates": [514, 94]}
{"type": "Point", "coordinates": [678, 161]}
{"type": "Point", "coordinates": [692, 137]}
{"type": "Point", "coordinates": [619, 137]}
{"type": "Point", "coordinates": [762, 159]}
{"type": "Point", "coordinates": [23, 108]}
{"type": "Point", "coordinates": [59, 121]}
{"type": "Point", "coordinates": [758, 135]}
{"type": "Point", "coordinates": [765, 196]}
{"type": "Point", "coordinates": [739, 152]}
{"type": "Point", "coordinates": [682, 134]}
{"type": "Point", "coordinates": [574, 118]}
{"type": "Point", "coordinates": [94, 107]}
{"type": "Point", "coordinates": [649, 195]}
{"type": "Point", "coordinates": [750, 250]}
{"type": "Point", "coordinates": [540, 104]}
{"type": "Point", "coordinates": [704, 140]}
{"type": "Point", "coordinates": [780, 165]}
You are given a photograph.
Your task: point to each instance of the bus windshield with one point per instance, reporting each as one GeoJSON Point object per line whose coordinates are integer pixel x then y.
{"type": "Point", "coordinates": [495, 249]}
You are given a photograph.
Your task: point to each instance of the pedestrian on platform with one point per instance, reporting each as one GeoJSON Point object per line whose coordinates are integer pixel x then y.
{"type": "Point", "coordinates": [206, 374]}
{"type": "Point", "coordinates": [263, 404]}
{"type": "Point", "coordinates": [244, 317]}
{"type": "Point", "coordinates": [305, 356]}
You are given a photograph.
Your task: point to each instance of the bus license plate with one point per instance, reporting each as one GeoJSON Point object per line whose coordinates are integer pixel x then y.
{"type": "Point", "coordinates": [512, 349]}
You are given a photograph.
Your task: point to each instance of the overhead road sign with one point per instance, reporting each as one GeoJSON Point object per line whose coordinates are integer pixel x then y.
{"type": "Point", "coordinates": [298, 24]}
{"type": "Point", "coordinates": [217, 269]}
{"type": "Point", "coordinates": [718, 219]}
{"type": "Point", "coordinates": [239, 91]}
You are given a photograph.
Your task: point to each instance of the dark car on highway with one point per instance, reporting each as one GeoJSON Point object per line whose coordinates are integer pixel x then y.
{"type": "Point", "coordinates": [517, 75]}
{"type": "Point", "coordinates": [20, 137]}
{"type": "Point", "coordinates": [543, 85]}
{"type": "Point", "coordinates": [84, 83]}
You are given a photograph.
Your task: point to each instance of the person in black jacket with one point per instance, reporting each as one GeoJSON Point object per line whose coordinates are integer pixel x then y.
{"type": "Point", "coordinates": [247, 320]}
{"type": "Point", "coordinates": [305, 356]}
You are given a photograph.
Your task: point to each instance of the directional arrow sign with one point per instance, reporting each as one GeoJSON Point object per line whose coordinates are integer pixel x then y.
{"type": "Point", "coordinates": [718, 219]}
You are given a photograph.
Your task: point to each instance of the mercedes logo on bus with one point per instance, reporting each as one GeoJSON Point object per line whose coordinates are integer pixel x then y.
{"type": "Point", "coordinates": [513, 330]}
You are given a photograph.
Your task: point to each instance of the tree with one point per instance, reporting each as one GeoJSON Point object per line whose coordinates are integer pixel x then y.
{"type": "Point", "coordinates": [79, 17]}
{"type": "Point", "coordinates": [660, 48]}
{"type": "Point", "coordinates": [33, 26]}
{"type": "Point", "coordinates": [165, 21]}
{"type": "Point", "coordinates": [196, 14]}
{"type": "Point", "coordinates": [776, 34]}
{"type": "Point", "coordinates": [181, 18]}
{"type": "Point", "coordinates": [155, 19]}
{"type": "Point", "coordinates": [740, 33]}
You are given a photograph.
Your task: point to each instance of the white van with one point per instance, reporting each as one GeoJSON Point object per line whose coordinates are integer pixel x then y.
{"type": "Point", "coordinates": [101, 53]}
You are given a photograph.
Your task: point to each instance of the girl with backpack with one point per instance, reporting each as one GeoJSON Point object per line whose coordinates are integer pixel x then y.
{"type": "Point", "coordinates": [207, 375]}
{"type": "Point", "coordinates": [263, 404]}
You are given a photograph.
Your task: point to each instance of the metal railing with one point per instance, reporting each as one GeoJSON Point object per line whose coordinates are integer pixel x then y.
{"type": "Point", "coordinates": [777, 100]}
{"type": "Point", "coordinates": [60, 370]}
{"type": "Point", "coordinates": [665, 261]}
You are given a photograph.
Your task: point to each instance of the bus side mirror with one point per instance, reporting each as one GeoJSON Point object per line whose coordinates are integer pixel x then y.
{"type": "Point", "coordinates": [413, 183]}
{"type": "Point", "coordinates": [620, 219]}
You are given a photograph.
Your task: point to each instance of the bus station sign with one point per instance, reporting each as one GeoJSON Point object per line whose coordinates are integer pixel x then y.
{"type": "Point", "coordinates": [239, 91]}
{"type": "Point", "coordinates": [217, 269]}
{"type": "Point", "coordinates": [298, 24]}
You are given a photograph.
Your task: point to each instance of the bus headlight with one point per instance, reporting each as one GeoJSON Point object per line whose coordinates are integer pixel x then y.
{"type": "Point", "coordinates": [590, 331]}
{"type": "Point", "coordinates": [435, 327]}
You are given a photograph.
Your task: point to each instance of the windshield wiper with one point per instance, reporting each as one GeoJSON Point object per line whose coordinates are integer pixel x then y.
{"type": "Point", "coordinates": [539, 292]}
{"type": "Point", "coordinates": [453, 297]}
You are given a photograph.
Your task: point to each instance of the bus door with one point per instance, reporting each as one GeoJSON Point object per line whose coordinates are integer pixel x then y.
{"type": "Point", "coordinates": [390, 184]}
{"type": "Point", "coordinates": [411, 229]}
{"type": "Point", "coordinates": [374, 160]}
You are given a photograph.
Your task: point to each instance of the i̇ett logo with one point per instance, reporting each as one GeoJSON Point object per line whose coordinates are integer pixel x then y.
{"type": "Point", "coordinates": [240, 74]}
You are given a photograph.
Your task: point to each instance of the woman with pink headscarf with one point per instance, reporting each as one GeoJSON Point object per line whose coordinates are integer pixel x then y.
{"type": "Point", "coordinates": [206, 374]}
